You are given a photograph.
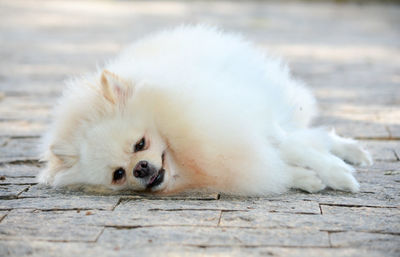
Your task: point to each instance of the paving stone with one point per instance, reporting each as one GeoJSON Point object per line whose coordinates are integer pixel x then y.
{"type": "Point", "coordinates": [380, 167]}
{"type": "Point", "coordinates": [227, 203]}
{"type": "Point", "coordinates": [382, 150]}
{"type": "Point", "coordinates": [367, 198]}
{"type": "Point", "coordinates": [142, 214]}
{"type": "Point", "coordinates": [133, 218]}
{"type": "Point", "coordinates": [11, 191]}
{"type": "Point", "coordinates": [211, 236]}
{"type": "Point", "coordinates": [18, 180]}
{"type": "Point", "coordinates": [139, 217]}
{"type": "Point", "coordinates": [26, 108]}
{"type": "Point", "coordinates": [3, 214]}
{"type": "Point", "coordinates": [381, 185]}
{"type": "Point", "coordinates": [22, 128]}
{"type": "Point", "coordinates": [44, 249]}
{"type": "Point", "coordinates": [203, 196]}
{"type": "Point", "coordinates": [394, 130]}
{"type": "Point", "coordinates": [27, 169]}
{"type": "Point", "coordinates": [366, 240]}
{"type": "Point", "coordinates": [260, 219]}
{"type": "Point", "coordinates": [344, 219]}
{"type": "Point", "coordinates": [384, 220]}
{"type": "Point", "coordinates": [61, 203]}
{"type": "Point", "coordinates": [187, 202]}
{"type": "Point", "coordinates": [40, 190]}
{"type": "Point", "coordinates": [18, 149]}
{"type": "Point", "coordinates": [52, 227]}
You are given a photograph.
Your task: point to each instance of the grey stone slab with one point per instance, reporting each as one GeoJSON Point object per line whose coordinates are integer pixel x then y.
{"type": "Point", "coordinates": [143, 217]}
{"type": "Point", "coordinates": [46, 191]}
{"type": "Point", "coordinates": [385, 220]}
{"type": "Point", "coordinates": [52, 226]}
{"type": "Point", "coordinates": [61, 202]}
{"type": "Point", "coordinates": [132, 218]}
{"type": "Point", "coordinates": [18, 149]}
{"type": "Point", "coordinates": [11, 191]}
{"type": "Point", "coordinates": [384, 242]}
{"type": "Point", "coordinates": [313, 252]}
{"type": "Point", "coordinates": [203, 196]}
{"type": "Point", "coordinates": [33, 108]}
{"type": "Point", "coordinates": [61, 249]}
{"type": "Point", "coordinates": [125, 195]}
{"type": "Point", "coordinates": [212, 236]}
{"type": "Point", "coordinates": [190, 201]}
{"type": "Point", "coordinates": [40, 190]}
{"type": "Point", "coordinates": [18, 180]}
{"type": "Point", "coordinates": [380, 167]}
{"type": "Point", "coordinates": [22, 128]}
{"type": "Point", "coordinates": [3, 214]}
{"type": "Point", "coordinates": [226, 203]}
{"type": "Point", "coordinates": [369, 196]}
{"type": "Point", "coordinates": [27, 169]}
{"type": "Point", "coordinates": [382, 150]}
{"type": "Point", "coordinates": [260, 219]}
{"type": "Point", "coordinates": [394, 130]}
{"type": "Point", "coordinates": [381, 185]}
{"type": "Point", "coordinates": [361, 199]}
{"type": "Point", "coordinates": [382, 199]}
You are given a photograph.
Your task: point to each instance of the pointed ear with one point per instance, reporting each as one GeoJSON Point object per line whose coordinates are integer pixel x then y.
{"type": "Point", "coordinates": [114, 88]}
{"type": "Point", "coordinates": [65, 153]}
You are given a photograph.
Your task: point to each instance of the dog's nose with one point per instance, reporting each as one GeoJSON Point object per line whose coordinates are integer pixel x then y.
{"type": "Point", "coordinates": [141, 170]}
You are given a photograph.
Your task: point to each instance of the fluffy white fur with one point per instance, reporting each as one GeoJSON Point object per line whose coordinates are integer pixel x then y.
{"type": "Point", "coordinates": [219, 115]}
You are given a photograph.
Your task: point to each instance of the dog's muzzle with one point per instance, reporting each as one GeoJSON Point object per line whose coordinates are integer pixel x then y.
{"type": "Point", "coordinates": [149, 174]}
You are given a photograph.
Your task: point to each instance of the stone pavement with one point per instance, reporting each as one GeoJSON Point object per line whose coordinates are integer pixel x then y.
{"type": "Point", "coordinates": [348, 53]}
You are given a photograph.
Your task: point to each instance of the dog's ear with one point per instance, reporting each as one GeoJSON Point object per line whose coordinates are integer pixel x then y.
{"type": "Point", "coordinates": [114, 88]}
{"type": "Point", "coordinates": [65, 153]}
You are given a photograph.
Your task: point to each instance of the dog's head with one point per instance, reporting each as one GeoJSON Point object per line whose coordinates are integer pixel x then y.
{"type": "Point", "coordinates": [106, 138]}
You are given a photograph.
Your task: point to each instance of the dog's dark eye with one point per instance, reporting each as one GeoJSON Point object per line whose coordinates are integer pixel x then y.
{"type": "Point", "coordinates": [118, 175]}
{"type": "Point", "coordinates": [140, 145]}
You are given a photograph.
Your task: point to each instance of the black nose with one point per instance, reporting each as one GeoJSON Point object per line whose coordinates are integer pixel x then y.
{"type": "Point", "coordinates": [141, 170]}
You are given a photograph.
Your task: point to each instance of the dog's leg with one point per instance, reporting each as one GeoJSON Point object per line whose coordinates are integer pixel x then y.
{"type": "Point", "coordinates": [310, 149]}
{"type": "Point", "coordinates": [305, 179]}
{"type": "Point", "coordinates": [349, 150]}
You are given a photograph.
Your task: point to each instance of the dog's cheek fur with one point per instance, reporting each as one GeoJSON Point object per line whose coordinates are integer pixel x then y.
{"type": "Point", "coordinates": [61, 157]}
{"type": "Point", "coordinates": [65, 153]}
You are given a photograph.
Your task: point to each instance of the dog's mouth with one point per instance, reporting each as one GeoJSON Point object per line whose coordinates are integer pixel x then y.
{"type": "Point", "coordinates": [156, 179]}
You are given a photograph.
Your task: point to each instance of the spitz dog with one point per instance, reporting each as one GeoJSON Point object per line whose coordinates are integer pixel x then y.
{"type": "Point", "coordinates": [194, 108]}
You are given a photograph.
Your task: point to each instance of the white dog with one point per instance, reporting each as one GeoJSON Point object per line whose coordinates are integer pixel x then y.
{"type": "Point", "coordinates": [194, 108]}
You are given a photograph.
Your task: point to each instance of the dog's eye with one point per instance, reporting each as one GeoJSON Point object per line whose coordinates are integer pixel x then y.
{"type": "Point", "coordinates": [140, 145]}
{"type": "Point", "coordinates": [119, 175]}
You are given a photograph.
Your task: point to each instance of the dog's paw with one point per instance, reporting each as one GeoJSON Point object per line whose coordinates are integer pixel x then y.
{"type": "Point", "coordinates": [354, 154]}
{"type": "Point", "coordinates": [350, 151]}
{"type": "Point", "coordinates": [358, 156]}
{"type": "Point", "coordinates": [310, 184]}
{"type": "Point", "coordinates": [341, 178]}
{"type": "Point", "coordinates": [306, 180]}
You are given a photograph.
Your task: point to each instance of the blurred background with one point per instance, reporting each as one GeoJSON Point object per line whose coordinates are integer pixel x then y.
{"type": "Point", "coordinates": [347, 51]}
